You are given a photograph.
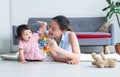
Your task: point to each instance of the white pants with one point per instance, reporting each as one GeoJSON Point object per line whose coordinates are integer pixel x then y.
{"type": "Point", "coordinates": [10, 56]}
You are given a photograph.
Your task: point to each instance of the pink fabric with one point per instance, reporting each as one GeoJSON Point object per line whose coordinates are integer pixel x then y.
{"type": "Point", "coordinates": [31, 48]}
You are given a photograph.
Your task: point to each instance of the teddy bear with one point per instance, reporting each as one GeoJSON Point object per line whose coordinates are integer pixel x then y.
{"type": "Point", "coordinates": [103, 62]}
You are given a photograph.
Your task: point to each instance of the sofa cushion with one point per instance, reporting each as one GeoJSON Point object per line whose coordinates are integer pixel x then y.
{"type": "Point", "coordinates": [92, 35]}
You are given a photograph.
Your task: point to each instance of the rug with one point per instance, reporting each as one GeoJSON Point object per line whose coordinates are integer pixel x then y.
{"type": "Point", "coordinates": [88, 57]}
{"type": "Point", "coordinates": [84, 57]}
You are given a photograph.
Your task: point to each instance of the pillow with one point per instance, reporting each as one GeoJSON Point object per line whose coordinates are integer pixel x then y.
{"type": "Point", "coordinates": [105, 27]}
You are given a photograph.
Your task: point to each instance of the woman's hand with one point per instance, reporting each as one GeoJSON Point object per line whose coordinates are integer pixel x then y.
{"type": "Point", "coordinates": [73, 61]}
{"type": "Point", "coordinates": [52, 44]}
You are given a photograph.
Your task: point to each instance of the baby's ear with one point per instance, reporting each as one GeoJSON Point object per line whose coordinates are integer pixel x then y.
{"type": "Point", "coordinates": [17, 37]}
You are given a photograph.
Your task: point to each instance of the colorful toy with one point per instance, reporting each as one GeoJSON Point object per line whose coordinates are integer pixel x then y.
{"type": "Point", "coordinates": [45, 47]}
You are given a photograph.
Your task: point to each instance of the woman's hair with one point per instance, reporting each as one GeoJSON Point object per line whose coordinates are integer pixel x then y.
{"type": "Point", "coordinates": [63, 22]}
{"type": "Point", "coordinates": [20, 29]}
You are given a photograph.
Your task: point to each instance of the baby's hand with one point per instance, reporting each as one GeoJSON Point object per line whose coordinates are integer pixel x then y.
{"type": "Point", "coordinates": [23, 62]}
{"type": "Point", "coordinates": [43, 23]}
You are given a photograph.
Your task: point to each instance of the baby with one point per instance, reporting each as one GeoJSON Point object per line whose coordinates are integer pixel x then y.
{"type": "Point", "coordinates": [28, 46]}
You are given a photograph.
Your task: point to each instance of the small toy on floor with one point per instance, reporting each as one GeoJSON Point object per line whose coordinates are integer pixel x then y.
{"type": "Point", "coordinates": [103, 62]}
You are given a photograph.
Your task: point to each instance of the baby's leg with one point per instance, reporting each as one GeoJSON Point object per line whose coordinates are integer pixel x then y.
{"type": "Point", "coordinates": [10, 57]}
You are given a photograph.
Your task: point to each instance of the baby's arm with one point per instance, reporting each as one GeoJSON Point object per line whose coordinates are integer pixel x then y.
{"type": "Point", "coordinates": [43, 23]}
{"type": "Point", "coordinates": [21, 56]}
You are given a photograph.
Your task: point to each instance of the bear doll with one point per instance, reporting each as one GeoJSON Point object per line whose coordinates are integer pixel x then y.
{"type": "Point", "coordinates": [103, 62]}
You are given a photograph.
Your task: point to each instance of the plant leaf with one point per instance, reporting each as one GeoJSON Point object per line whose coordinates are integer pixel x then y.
{"type": "Point", "coordinates": [105, 8]}
{"type": "Point", "coordinates": [112, 7]}
{"type": "Point", "coordinates": [108, 1]}
{"type": "Point", "coordinates": [110, 15]}
{"type": "Point", "coordinates": [117, 4]}
{"type": "Point", "coordinates": [118, 11]}
{"type": "Point", "coordinates": [107, 14]}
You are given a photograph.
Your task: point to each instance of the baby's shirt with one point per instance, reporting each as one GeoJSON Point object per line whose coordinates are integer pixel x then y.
{"type": "Point", "coordinates": [31, 48]}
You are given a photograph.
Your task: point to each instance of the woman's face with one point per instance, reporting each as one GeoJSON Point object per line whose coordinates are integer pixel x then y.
{"type": "Point", "coordinates": [26, 35]}
{"type": "Point", "coordinates": [54, 30]}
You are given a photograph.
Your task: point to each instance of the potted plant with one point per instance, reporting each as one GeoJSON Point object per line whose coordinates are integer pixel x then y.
{"type": "Point", "coordinates": [113, 8]}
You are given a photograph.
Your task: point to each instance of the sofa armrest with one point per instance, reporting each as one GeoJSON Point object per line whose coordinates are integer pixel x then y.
{"type": "Point", "coordinates": [112, 32]}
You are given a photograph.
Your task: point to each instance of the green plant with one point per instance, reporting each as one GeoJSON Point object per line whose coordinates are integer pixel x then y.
{"type": "Point", "coordinates": [114, 8]}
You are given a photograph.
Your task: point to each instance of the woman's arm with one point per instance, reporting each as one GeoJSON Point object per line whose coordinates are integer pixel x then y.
{"type": "Point", "coordinates": [21, 56]}
{"type": "Point", "coordinates": [74, 44]}
{"type": "Point", "coordinates": [75, 49]}
{"type": "Point", "coordinates": [58, 58]}
{"type": "Point", "coordinates": [72, 58]}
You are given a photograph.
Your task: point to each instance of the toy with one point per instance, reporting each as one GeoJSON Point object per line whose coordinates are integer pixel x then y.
{"type": "Point", "coordinates": [45, 47]}
{"type": "Point", "coordinates": [103, 62]}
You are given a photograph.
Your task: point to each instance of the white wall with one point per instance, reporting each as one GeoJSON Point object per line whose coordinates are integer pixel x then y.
{"type": "Point", "coordinates": [4, 26]}
{"type": "Point", "coordinates": [21, 10]}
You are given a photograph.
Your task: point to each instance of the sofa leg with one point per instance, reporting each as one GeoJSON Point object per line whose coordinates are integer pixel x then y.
{"type": "Point", "coordinates": [106, 49]}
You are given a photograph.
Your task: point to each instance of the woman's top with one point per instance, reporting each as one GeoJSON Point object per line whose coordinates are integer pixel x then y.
{"type": "Point", "coordinates": [64, 43]}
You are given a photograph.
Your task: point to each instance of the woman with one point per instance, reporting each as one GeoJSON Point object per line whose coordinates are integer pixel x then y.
{"type": "Point", "coordinates": [65, 47]}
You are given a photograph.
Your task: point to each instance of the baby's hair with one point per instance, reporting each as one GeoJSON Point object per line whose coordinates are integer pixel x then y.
{"type": "Point", "coordinates": [21, 28]}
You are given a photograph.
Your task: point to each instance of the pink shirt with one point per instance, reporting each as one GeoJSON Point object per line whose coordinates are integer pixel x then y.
{"type": "Point", "coordinates": [31, 48]}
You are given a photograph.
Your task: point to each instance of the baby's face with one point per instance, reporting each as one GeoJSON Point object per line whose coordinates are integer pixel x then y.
{"type": "Point", "coordinates": [26, 35]}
